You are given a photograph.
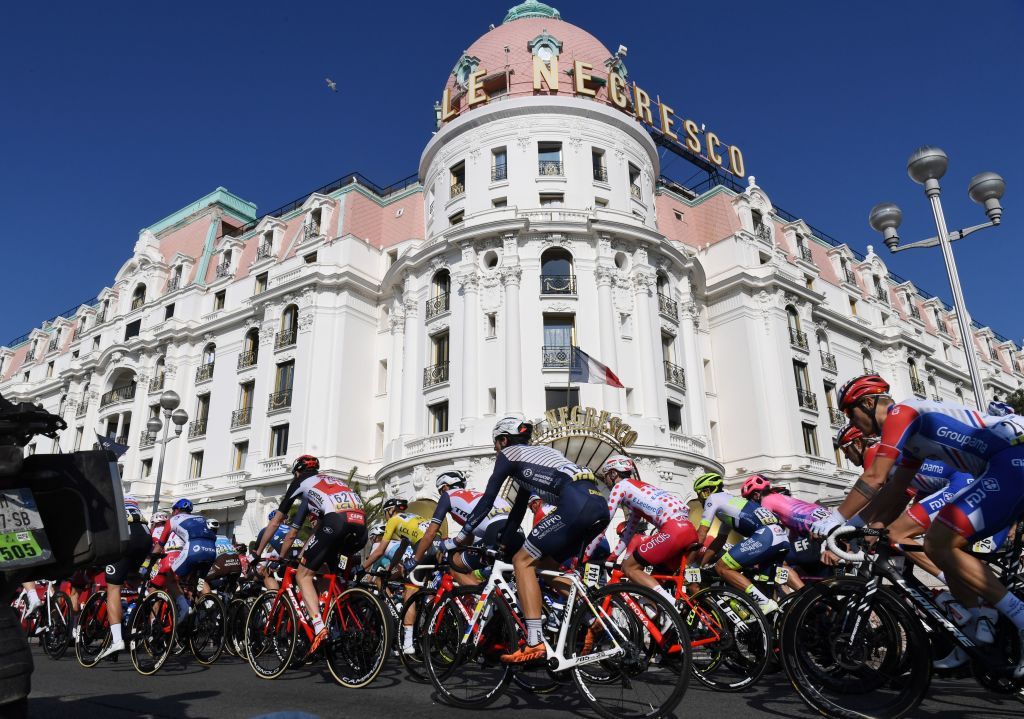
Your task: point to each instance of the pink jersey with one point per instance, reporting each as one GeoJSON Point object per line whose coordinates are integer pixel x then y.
{"type": "Point", "coordinates": [795, 514]}
{"type": "Point", "coordinates": [644, 502]}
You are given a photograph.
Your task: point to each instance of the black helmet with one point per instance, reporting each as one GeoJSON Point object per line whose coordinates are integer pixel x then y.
{"type": "Point", "coordinates": [399, 505]}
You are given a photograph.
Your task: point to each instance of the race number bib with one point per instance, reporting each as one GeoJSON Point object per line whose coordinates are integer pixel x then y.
{"type": "Point", "coordinates": [591, 574]}
{"type": "Point", "coordinates": [23, 541]}
{"type": "Point", "coordinates": [781, 575]}
{"type": "Point", "coordinates": [765, 516]}
{"type": "Point", "coordinates": [692, 575]}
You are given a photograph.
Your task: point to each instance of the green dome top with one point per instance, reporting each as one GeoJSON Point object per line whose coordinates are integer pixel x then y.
{"type": "Point", "coordinates": [531, 8]}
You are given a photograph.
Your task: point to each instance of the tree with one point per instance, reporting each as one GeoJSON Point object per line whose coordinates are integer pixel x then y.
{"type": "Point", "coordinates": [1016, 400]}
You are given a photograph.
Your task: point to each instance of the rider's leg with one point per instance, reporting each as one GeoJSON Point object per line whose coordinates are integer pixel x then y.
{"type": "Point", "coordinates": [304, 578]}
{"type": "Point", "coordinates": [31, 596]}
{"type": "Point", "coordinates": [945, 545]}
{"type": "Point", "coordinates": [906, 529]}
{"type": "Point", "coordinates": [794, 581]}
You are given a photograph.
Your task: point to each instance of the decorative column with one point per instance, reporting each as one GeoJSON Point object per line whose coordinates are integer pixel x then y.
{"type": "Point", "coordinates": [397, 327]}
{"type": "Point", "coordinates": [511, 277]}
{"type": "Point", "coordinates": [651, 372]}
{"type": "Point", "coordinates": [689, 323]}
{"type": "Point", "coordinates": [610, 396]}
{"type": "Point", "coordinates": [412, 379]}
{"type": "Point", "coordinates": [470, 282]}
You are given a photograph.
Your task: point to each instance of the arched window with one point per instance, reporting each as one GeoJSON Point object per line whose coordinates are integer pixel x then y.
{"type": "Point", "coordinates": [250, 349]}
{"type": "Point", "coordinates": [440, 291]}
{"type": "Point", "coordinates": [869, 364]}
{"type": "Point", "coordinates": [289, 327]}
{"type": "Point", "coordinates": [796, 337]}
{"type": "Point", "coordinates": [159, 375]}
{"type": "Point", "coordinates": [139, 297]}
{"type": "Point", "coordinates": [209, 354]}
{"type": "Point", "coordinates": [664, 288]}
{"type": "Point", "coordinates": [556, 273]}
{"type": "Point", "coordinates": [916, 385]}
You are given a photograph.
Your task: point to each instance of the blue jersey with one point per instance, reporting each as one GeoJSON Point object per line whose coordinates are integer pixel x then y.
{"type": "Point", "coordinates": [934, 476]}
{"type": "Point", "coordinates": [277, 540]}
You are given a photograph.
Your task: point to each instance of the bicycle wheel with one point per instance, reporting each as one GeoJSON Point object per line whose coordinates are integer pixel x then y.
{"type": "Point", "coordinates": [93, 630]}
{"type": "Point", "coordinates": [645, 668]}
{"type": "Point", "coordinates": [57, 634]}
{"type": "Point", "coordinates": [884, 672]}
{"type": "Point", "coordinates": [466, 669]}
{"type": "Point", "coordinates": [421, 602]}
{"type": "Point", "coordinates": [270, 635]}
{"type": "Point", "coordinates": [237, 613]}
{"type": "Point", "coordinates": [730, 639]}
{"type": "Point", "coordinates": [152, 632]}
{"type": "Point", "coordinates": [207, 636]}
{"type": "Point", "coordinates": [359, 637]}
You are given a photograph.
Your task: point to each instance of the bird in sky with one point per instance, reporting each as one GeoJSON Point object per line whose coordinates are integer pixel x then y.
{"type": "Point", "coordinates": [331, 84]}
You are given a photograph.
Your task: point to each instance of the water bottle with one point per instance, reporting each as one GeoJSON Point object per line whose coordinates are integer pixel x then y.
{"type": "Point", "coordinates": [128, 612]}
{"type": "Point", "coordinates": [555, 609]}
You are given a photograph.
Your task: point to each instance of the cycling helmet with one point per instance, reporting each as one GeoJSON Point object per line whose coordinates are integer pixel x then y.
{"type": "Point", "coordinates": [999, 409]}
{"type": "Point", "coordinates": [512, 427]}
{"type": "Point", "coordinates": [867, 385]}
{"type": "Point", "coordinates": [708, 480]}
{"type": "Point", "coordinates": [376, 529]}
{"type": "Point", "coordinates": [620, 463]}
{"type": "Point", "coordinates": [158, 517]}
{"type": "Point", "coordinates": [184, 505]}
{"type": "Point", "coordinates": [213, 524]}
{"type": "Point", "coordinates": [755, 483]}
{"type": "Point", "coordinates": [399, 505]}
{"type": "Point", "coordinates": [271, 515]}
{"type": "Point", "coordinates": [449, 479]}
{"type": "Point", "coordinates": [533, 498]}
{"type": "Point", "coordinates": [306, 464]}
{"type": "Point", "coordinates": [847, 434]}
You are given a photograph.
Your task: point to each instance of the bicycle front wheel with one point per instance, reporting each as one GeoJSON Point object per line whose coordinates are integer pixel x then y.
{"type": "Point", "coordinates": [152, 632]}
{"type": "Point", "coordinates": [358, 638]}
{"type": "Point", "coordinates": [206, 640]}
{"type": "Point", "coordinates": [93, 630]}
{"type": "Point", "coordinates": [237, 613]}
{"type": "Point", "coordinates": [644, 646]}
{"type": "Point", "coordinates": [415, 613]}
{"type": "Point", "coordinates": [57, 634]}
{"type": "Point", "coordinates": [730, 637]}
{"type": "Point", "coordinates": [270, 635]}
{"type": "Point", "coordinates": [465, 666]}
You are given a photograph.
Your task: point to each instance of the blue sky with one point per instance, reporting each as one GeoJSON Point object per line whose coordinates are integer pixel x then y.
{"type": "Point", "coordinates": [115, 114]}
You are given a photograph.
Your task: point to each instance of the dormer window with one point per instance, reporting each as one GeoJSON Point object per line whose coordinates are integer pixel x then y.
{"type": "Point", "coordinates": [545, 46]}
{"type": "Point", "coordinates": [465, 67]}
{"type": "Point", "coordinates": [266, 248]}
{"type": "Point", "coordinates": [314, 220]}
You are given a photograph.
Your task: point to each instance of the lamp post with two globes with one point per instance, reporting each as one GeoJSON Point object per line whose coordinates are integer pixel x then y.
{"type": "Point", "coordinates": [169, 401]}
{"type": "Point", "coordinates": [925, 167]}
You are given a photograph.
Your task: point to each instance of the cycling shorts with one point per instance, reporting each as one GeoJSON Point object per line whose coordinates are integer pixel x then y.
{"type": "Point", "coordinates": [139, 544]}
{"type": "Point", "coordinates": [337, 534]}
{"type": "Point", "coordinates": [196, 556]}
{"type": "Point", "coordinates": [992, 502]}
{"type": "Point", "coordinates": [665, 547]}
{"type": "Point", "coordinates": [767, 544]}
{"type": "Point", "coordinates": [581, 514]}
{"type": "Point", "coordinates": [492, 535]}
{"type": "Point", "coordinates": [924, 510]}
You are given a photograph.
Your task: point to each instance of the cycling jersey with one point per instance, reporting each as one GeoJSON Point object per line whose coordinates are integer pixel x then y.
{"type": "Point", "coordinates": [389, 554]}
{"type": "Point", "coordinates": [795, 514]}
{"type": "Point", "coordinates": [460, 503]}
{"type": "Point", "coordinates": [743, 515]}
{"type": "Point", "coordinates": [642, 502]}
{"type": "Point", "coordinates": [273, 548]}
{"type": "Point", "coordinates": [319, 495]}
{"type": "Point", "coordinates": [138, 544]}
{"type": "Point", "coordinates": [198, 549]}
{"type": "Point", "coordinates": [934, 476]}
{"type": "Point", "coordinates": [403, 525]}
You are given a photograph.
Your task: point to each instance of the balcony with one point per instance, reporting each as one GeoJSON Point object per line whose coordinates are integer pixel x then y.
{"type": "Point", "coordinates": [241, 417]}
{"type": "Point", "coordinates": [849, 276]}
{"type": "Point", "coordinates": [157, 383]}
{"type": "Point", "coordinates": [458, 189]}
{"type": "Point", "coordinates": [798, 339]}
{"type": "Point", "coordinates": [438, 305]}
{"type": "Point", "coordinates": [118, 394]}
{"type": "Point", "coordinates": [174, 284]}
{"type": "Point", "coordinates": [668, 307]}
{"type": "Point", "coordinates": [146, 439]}
{"type": "Point", "coordinates": [499, 172]}
{"type": "Point", "coordinates": [285, 338]}
{"type": "Point", "coordinates": [675, 375]}
{"type": "Point", "coordinates": [634, 190]}
{"type": "Point", "coordinates": [197, 428]}
{"type": "Point", "coordinates": [83, 408]}
{"type": "Point", "coordinates": [558, 284]}
{"type": "Point", "coordinates": [310, 231]}
{"type": "Point", "coordinates": [430, 443]}
{"type": "Point", "coordinates": [223, 270]}
{"type": "Point", "coordinates": [917, 387]}
{"type": "Point", "coordinates": [807, 400]}
{"type": "Point", "coordinates": [556, 356]}
{"type": "Point", "coordinates": [836, 418]}
{"type": "Point", "coordinates": [915, 311]}
{"type": "Point", "coordinates": [53, 345]}
{"type": "Point", "coordinates": [279, 400]}
{"type": "Point", "coordinates": [549, 168]}
{"type": "Point", "coordinates": [881, 295]}
{"type": "Point", "coordinates": [247, 359]}
{"type": "Point", "coordinates": [204, 372]}
{"type": "Point", "coordinates": [762, 233]}
{"type": "Point", "coordinates": [264, 251]}
{"type": "Point", "coordinates": [600, 174]}
{"type": "Point", "coordinates": [435, 374]}
{"type": "Point", "coordinates": [828, 362]}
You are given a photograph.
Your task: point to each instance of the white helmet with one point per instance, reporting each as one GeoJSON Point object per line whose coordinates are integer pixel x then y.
{"type": "Point", "coordinates": [376, 529]}
{"type": "Point", "coordinates": [158, 517]}
{"type": "Point", "coordinates": [450, 478]}
{"type": "Point", "coordinates": [620, 463]}
{"type": "Point", "coordinates": [213, 524]}
{"type": "Point", "coordinates": [512, 427]}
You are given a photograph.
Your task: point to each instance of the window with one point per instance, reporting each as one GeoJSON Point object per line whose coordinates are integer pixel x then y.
{"type": "Point", "coordinates": [675, 417]}
{"type": "Point", "coordinates": [600, 202]}
{"type": "Point", "coordinates": [285, 376]}
{"type": "Point", "coordinates": [49, 370]}
{"type": "Point", "coordinates": [456, 218]}
{"type": "Point", "coordinates": [382, 377]}
{"type": "Point", "coordinates": [309, 259]}
{"type": "Point", "coordinates": [600, 170]}
{"type": "Point", "coordinates": [458, 180]}
{"type": "Point", "coordinates": [668, 352]}
{"type": "Point", "coordinates": [202, 407]}
{"type": "Point", "coordinates": [630, 401]}
{"type": "Point", "coordinates": [132, 329]}
{"type": "Point", "coordinates": [24, 377]}
{"type": "Point", "coordinates": [146, 469]}
{"type": "Point", "coordinates": [492, 400]}
{"type": "Point", "coordinates": [555, 397]}
{"type": "Point", "coordinates": [440, 347]}
{"type": "Point", "coordinates": [378, 440]}
{"type": "Point", "coordinates": [853, 307]}
{"type": "Point", "coordinates": [238, 456]}
{"type": "Point", "coordinates": [438, 417]}
{"type": "Point", "coordinates": [96, 342]}
{"type": "Point", "coordinates": [809, 282]}
{"type": "Point", "coordinates": [79, 433]}
{"type": "Point", "coordinates": [74, 355]}
{"type": "Point", "coordinates": [634, 182]}
{"type": "Point", "coordinates": [250, 349]}
{"type": "Point", "coordinates": [246, 390]}
{"type": "Point", "coordinates": [559, 332]}
{"type": "Point", "coordinates": [800, 374]}
{"type": "Point", "coordinates": [810, 439]}
{"type": "Point", "coordinates": [499, 202]}
{"type": "Point", "coordinates": [499, 164]}
{"type": "Point", "coordinates": [209, 354]}
{"type": "Point", "coordinates": [392, 257]}
{"type": "Point", "coordinates": [138, 297]}
{"type": "Point", "coordinates": [218, 300]}
{"type": "Point", "coordinates": [279, 440]}
{"type": "Point", "coordinates": [261, 283]}
{"type": "Point", "coordinates": [195, 468]}
{"type": "Point", "coordinates": [678, 215]}
{"type": "Point", "coordinates": [492, 325]}
{"type": "Point", "coordinates": [556, 272]}
{"type": "Point", "coordinates": [287, 336]}
{"type": "Point", "coordinates": [168, 311]}
{"type": "Point", "coordinates": [867, 363]}
{"type": "Point", "coordinates": [549, 159]}
{"type": "Point", "coordinates": [551, 199]}
{"type": "Point", "coordinates": [758, 221]}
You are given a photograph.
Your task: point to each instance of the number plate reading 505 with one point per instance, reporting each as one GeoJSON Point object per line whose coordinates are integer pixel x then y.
{"type": "Point", "coordinates": [23, 540]}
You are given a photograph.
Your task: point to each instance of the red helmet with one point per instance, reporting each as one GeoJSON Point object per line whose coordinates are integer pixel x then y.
{"type": "Point", "coordinates": [306, 464]}
{"type": "Point", "coordinates": [847, 434]}
{"type": "Point", "coordinates": [755, 483]}
{"type": "Point", "coordinates": [867, 385]}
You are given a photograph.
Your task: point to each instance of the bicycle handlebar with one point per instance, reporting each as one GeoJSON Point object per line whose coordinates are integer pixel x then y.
{"type": "Point", "coordinates": [830, 542]}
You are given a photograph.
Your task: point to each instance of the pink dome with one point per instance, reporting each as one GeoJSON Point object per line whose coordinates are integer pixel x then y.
{"type": "Point", "coordinates": [488, 53]}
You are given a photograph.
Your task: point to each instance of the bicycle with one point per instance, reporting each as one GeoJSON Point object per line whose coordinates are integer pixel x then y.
{"type": "Point", "coordinates": [93, 634]}
{"type": "Point", "coordinates": [625, 647]}
{"type": "Point", "coordinates": [359, 633]}
{"type": "Point", "coordinates": [853, 647]}
{"type": "Point", "coordinates": [50, 621]}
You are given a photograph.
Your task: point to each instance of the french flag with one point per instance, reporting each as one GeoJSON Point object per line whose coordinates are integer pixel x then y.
{"type": "Point", "coordinates": [587, 370]}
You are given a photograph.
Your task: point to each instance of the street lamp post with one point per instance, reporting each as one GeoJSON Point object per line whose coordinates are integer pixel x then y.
{"type": "Point", "coordinates": [169, 401]}
{"type": "Point", "coordinates": [925, 167]}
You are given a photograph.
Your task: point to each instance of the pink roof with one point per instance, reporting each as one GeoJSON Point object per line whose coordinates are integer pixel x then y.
{"type": "Point", "coordinates": [380, 225]}
{"type": "Point", "coordinates": [707, 223]}
{"type": "Point", "coordinates": [17, 360]}
{"type": "Point", "coordinates": [188, 240]}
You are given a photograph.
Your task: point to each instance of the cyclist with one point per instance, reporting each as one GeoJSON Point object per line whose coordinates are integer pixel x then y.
{"type": "Point", "coordinates": [581, 513]}
{"type": "Point", "coordinates": [986, 446]}
{"type": "Point", "coordinates": [642, 502]}
{"type": "Point", "coordinates": [766, 539]}
{"type": "Point", "coordinates": [226, 568]}
{"type": "Point", "coordinates": [129, 563]}
{"type": "Point", "coordinates": [337, 514]}
{"type": "Point", "coordinates": [271, 552]}
{"type": "Point", "coordinates": [539, 509]}
{"type": "Point", "coordinates": [198, 550]}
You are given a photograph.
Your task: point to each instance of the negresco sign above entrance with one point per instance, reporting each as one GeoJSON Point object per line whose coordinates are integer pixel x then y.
{"type": "Point", "coordinates": [685, 133]}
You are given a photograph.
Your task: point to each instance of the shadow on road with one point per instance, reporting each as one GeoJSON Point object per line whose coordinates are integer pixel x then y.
{"type": "Point", "coordinates": [116, 706]}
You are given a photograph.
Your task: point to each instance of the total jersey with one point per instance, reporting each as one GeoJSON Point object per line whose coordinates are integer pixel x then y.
{"type": "Point", "coordinates": [405, 525]}
{"type": "Point", "coordinates": [743, 515]}
{"type": "Point", "coordinates": [962, 437]}
{"type": "Point", "coordinates": [460, 503]}
{"type": "Point", "coordinates": [189, 527]}
{"type": "Point", "coordinates": [795, 514]}
{"type": "Point", "coordinates": [319, 495]}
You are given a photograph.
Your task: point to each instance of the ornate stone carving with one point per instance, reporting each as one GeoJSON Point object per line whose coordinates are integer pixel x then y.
{"type": "Point", "coordinates": [419, 476]}
{"type": "Point", "coordinates": [437, 263]}
{"type": "Point", "coordinates": [510, 245]}
{"type": "Point", "coordinates": [511, 275]}
{"type": "Point", "coordinates": [643, 281]}
{"type": "Point", "coordinates": [558, 307]}
{"type": "Point", "coordinates": [305, 322]}
{"type": "Point", "coordinates": [690, 310]}
{"type": "Point", "coordinates": [469, 281]}
{"type": "Point", "coordinates": [267, 333]}
{"type": "Point", "coordinates": [604, 275]}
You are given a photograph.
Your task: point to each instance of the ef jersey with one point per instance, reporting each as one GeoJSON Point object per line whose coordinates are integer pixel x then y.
{"type": "Point", "coordinates": [460, 503]}
{"type": "Point", "coordinates": [794, 513]}
{"type": "Point", "coordinates": [319, 495]}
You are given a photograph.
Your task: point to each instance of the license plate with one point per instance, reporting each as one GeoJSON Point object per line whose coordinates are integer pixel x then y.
{"type": "Point", "coordinates": [692, 575]}
{"type": "Point", "coordinates": [22, 538]}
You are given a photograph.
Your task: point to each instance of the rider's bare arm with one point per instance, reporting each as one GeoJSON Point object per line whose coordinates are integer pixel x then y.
{"type": "Point", "coordinates": [891, 500]}
{"type": "Point", "coordinates": [865, 489]}
{"type": "Point", "coordinates": [426, 540]}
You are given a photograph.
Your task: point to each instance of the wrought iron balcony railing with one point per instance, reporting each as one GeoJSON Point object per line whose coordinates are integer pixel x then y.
{"type": "Point", "coordinates": [458, 189]}
{"type": "Point", "coordinates": [881, 294]}
{"type": "Point", "coordinates": [836, 418]}
{"type": "Point", "coordinates": [557, 356]}
{"type": "Point", "coordinates": [797, 338]}
{"type": "Point", "coordinates": [53, 345]}
{"type": "Point", "coordinates": [849, 276]}
{"type": "Point", "coordinates": [285, 338]}
{"type": "Point", "coordinates": [241, 417]}
{"type": "Point", "coordinates": [558, 284]}
{"type": "Point", "coordinates": [197, 428]}
{"type": "Point", "coordinates": [310, 231]}
{"type": "Point", "coordinates": [634, 190]}
{"type": "Point", "coordinates": [204, 372]}
{"type": "Point", "coordinates": [247, 359]}
{"type": "Point", "coordinates": [763, 233]}
{"type": "Point", "coordinates": [499, 172]}
{"type": "Point", "coordinates": [280, 400]}
{"type": "Point", "coordinates": [435, 374]}
{"type": "Point", "coordinates": [600, 174]}
{"type": "Point", "coordinates": [675, 375]}
{"type": "Point", "coordinates": [549, 168]}
{"type": "Point", "coordinates": [264, 251]}
{"type": "Point", "coordinates": [157, 383]}
{"type": "Point", "coordinates": [918, 388]}
{"type": "Point", "coordinates": [828, 362]}
{"type": "Point", "coordinates": [438, 305]}
{"type": "Point", "coordinates": [805, 253]}
{"type": "Point", "coordinates": [806, 399]}
{"type": "Point", "coordinates": [915, 311]}
{"type": "Point", "coordinates": [83, 408]}
{"type": "Point", "coordinates": [174, 284]}
{"type": "Point", "coordinates": [223, 270]}
{"type": "Point", "coordinates": [146, 439]}
{"type": "Point", "coordinates": [118, 394]}
{"type": "Point", "coordinates": [668, 307]}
